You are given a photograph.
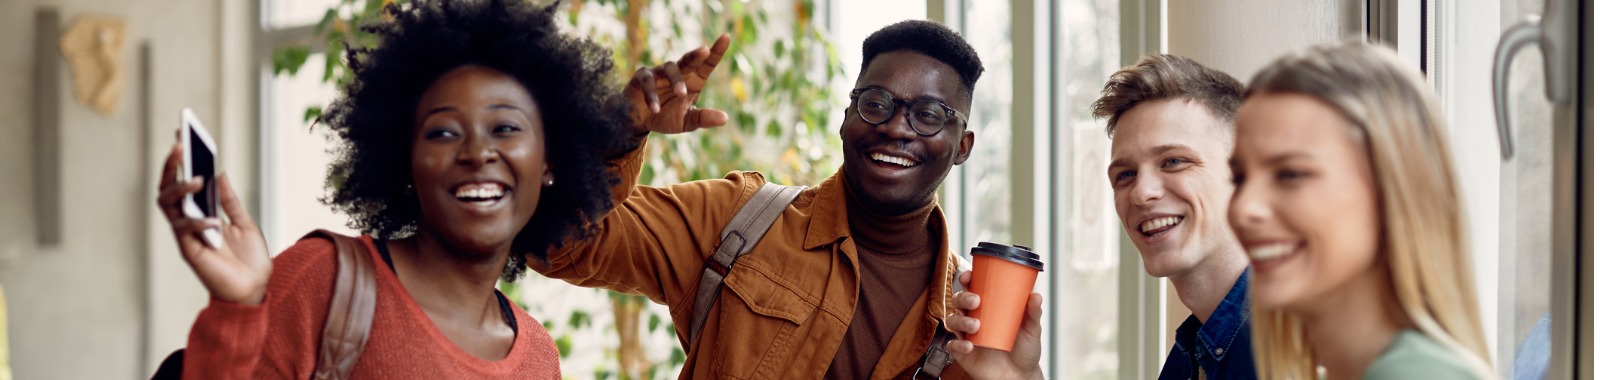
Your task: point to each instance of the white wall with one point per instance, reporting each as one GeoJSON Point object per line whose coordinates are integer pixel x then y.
{"type": "Point", "coordinates": [114, 297]}
{"type": "Point", "coordinates": [1241, 36]}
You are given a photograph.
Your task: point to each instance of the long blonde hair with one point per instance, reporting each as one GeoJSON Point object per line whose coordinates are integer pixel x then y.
{"type": "Point", "coordinates": [1422, 238]}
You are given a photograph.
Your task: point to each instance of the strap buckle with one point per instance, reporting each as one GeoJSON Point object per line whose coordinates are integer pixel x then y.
{"type": "Point", "coordinates": [935, 359]}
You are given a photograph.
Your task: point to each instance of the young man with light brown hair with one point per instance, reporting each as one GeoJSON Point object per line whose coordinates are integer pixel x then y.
{"type": "Point", "coordinates": [1170, 121]}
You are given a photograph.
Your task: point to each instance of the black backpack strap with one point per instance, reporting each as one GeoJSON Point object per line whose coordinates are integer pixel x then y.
{"type": "Point", "coordinates": [350, 311]}
{"type": "Point", "coordinates": [741, 234]}
{"type": "Point", "coordinates": [171, 368]}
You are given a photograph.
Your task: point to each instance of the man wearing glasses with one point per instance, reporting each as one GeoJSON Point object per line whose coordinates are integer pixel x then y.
{"type": "Point", "coordinates": [855, 277]}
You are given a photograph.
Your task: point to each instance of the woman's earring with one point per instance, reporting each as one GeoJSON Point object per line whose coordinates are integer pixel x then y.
{"type": "Point", "coordinates": [549, 182]}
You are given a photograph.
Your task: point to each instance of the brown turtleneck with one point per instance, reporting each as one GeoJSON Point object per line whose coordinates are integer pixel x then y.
{"type": "Point", "coordinates": [896, 262]}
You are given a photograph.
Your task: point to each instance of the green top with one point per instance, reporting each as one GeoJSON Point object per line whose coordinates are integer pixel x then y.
{"type": "Point", "coordinates": [1413, 355]}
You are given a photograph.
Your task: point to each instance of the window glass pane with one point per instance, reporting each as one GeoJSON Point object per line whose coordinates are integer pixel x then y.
{"type": "Point", "coordinates": [1525, 223]}
{"type": "Point", "coordinates": [1523, 343]}
{"type": "Point", "coordinates": [987, 179]}
{"type": "Point", "coordinates": [1086, 223]}
{"type": "Point", "coordinates": [295, 158]}
{"type": "Point", "coordinates": [858, 19]}
{"type": "Point", "coordinates": [291, 13]}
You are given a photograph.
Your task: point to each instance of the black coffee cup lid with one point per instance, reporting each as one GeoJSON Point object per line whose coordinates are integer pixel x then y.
{"type": "Point", "coordinates": [1014, 253]}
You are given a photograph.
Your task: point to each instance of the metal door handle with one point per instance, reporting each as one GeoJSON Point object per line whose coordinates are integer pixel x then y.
{"type": "Point", "coordinates": [1519, 36]}
{"type": "Point", "coordinates": [1554, 33]}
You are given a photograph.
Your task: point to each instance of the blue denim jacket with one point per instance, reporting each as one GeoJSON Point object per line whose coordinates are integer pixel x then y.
{"type": "Point", "coordinates": [1221, 346]}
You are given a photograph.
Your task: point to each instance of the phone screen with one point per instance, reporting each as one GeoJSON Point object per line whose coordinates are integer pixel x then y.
{"type": "Point", "coordinates": [204, 165]}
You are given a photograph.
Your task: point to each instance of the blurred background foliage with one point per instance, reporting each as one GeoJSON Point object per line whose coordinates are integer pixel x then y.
{"type": "Point", "coordinates": [775, 83]}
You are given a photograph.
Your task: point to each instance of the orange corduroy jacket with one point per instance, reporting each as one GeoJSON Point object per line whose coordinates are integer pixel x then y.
{"type": "Point", "coordinates": [785, 305]}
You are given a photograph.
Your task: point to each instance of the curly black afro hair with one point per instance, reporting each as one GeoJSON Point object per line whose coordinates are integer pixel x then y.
{"type": "Point", "coordinates": [930, 39]}
{"type": "Point", "coordinates": [585, 116]}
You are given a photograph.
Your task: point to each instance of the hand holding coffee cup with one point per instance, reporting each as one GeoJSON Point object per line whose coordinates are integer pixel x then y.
{"type": "Point", "coordinates": [1022, 362]}
{"type": "Point", "coordinates": [1003, 277]}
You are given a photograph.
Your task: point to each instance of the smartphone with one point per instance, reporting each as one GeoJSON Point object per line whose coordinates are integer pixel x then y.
{"type": "Point", "coordinates": [200, 160]}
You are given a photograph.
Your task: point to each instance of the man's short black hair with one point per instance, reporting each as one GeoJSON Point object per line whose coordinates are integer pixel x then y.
{"type": "Point", "coordinates": [585, 115]}
{"type": "Point", "coordinates": [930, 39]}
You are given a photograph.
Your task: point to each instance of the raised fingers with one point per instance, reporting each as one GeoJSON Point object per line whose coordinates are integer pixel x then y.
{"type": "Point", "coordinates": [169, 168]}
{"type": "Point", "coordinates": [704, 117]}
{"type": "Point", "coordinates": [675, 78]}
{"type": "Point", "coordinates": [170, 198]}
{"type": "Point", "coordinates": [714, 56]}
{"type": "Point", "coordinates": [231, 204]}
{"type": "Point", "coordinates": [691, 61]}
{"type": "Point", "coordinates": [170, 189]}
{"type": "Point", "coordinates": [188, 231]}
{"type": "Point", "coordinates": [644, 81]}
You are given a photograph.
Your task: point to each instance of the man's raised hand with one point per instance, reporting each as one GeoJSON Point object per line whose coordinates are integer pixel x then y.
{"type": "Point", "coordinates": [663, 97]}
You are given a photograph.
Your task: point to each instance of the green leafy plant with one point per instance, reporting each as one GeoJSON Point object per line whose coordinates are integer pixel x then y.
{"type": "Point", "coordinates": [775, 83]}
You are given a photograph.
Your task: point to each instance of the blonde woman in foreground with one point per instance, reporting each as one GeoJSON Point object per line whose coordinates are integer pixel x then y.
{"type": "Point", "coordinates": [1346, 203]}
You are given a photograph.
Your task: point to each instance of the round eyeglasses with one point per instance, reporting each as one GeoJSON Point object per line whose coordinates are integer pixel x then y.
{"type": "Point", "coordinates": [927, 117]}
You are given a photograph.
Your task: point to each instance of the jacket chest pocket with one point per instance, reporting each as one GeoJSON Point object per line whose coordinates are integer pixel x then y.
{"type": "Point", "coordinates": [756, 331]}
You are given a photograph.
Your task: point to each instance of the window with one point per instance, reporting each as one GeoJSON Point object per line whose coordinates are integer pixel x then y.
{"type": "Point", "coordinates": [1525, 282]}
{"type": "Point", "coordinates": [294, 154]}
{"type": "Point", "coordinates": [1036, 172]}
{"type": "Point", "coordinates": [1090, 335]}
{"type": "Point", "coordinates": [985, 179]}
{"type": "Point", "coordinates": [295, 158]}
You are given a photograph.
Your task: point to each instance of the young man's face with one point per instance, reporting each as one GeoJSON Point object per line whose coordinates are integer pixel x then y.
{"type": "Point", "coordinates": [892, 168]}
{"type": "Point", "coordinates": [1169, 173]}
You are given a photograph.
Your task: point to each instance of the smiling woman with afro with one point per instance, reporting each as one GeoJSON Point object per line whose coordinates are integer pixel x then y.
{"type": "Point", "coordinates": [567, 77]}
{"type": "Point", "coordinates": [471, 140]}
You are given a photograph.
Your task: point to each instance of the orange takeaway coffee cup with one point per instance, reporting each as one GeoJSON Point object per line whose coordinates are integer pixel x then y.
{"type": "Point", "coordinates": [1002, 276]}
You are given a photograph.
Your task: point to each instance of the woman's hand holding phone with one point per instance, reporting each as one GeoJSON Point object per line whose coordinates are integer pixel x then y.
{"type": "Point", "coordinates": [235, 271]}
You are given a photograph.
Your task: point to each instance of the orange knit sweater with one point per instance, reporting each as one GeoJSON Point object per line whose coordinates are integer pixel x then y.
{"type": "Point", "coordinates": [279, 338]}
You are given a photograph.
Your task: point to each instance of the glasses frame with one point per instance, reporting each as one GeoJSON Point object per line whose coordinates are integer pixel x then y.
{"type": "Point", "coordinates": [907, 104]}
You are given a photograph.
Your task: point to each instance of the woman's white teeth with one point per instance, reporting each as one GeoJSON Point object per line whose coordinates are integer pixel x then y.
{"type": "Point", "coordinates": [892, 159]}
{"type": "Point", "coordinates": [1271, 251]}
{"type": "Point", "coordinates": [480, 191]}
{"type": "Point", "coordinates": [1156, 223]}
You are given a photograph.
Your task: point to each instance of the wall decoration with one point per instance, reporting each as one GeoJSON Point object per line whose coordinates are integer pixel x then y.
{"type": "Point", "coordinates": [93, 47]}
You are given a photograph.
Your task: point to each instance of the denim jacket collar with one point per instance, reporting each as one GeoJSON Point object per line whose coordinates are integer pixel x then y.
{"type": "Point", "coordinates": [1226, 332]}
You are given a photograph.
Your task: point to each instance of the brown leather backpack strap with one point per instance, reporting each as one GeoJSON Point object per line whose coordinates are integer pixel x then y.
{"type": "Point", "coordinates": [738, 238]}
{"type": "Point", "coordinates": [936, 358]}
{"type": "Point", "coordinates": [350, 311]}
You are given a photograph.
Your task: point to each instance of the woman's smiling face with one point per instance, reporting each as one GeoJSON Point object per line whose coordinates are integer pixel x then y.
{"type": "Point", "coordinates": [1305, 204]}
{"type": "Point", "coordinates": [477, 159]}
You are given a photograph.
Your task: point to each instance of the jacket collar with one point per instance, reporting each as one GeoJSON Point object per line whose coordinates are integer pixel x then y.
{"type": "Point", "coordinates": [1231, 320]}
{"type": "Point", "coordinates": [830, 223]}
{"type": "Point", "coordinates": [946, 267]}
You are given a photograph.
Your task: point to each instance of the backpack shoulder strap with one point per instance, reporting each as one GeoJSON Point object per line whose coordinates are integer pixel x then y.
{"type": "Point", "coordinates": [936, 358]}
{"type": "Point", "coordinates": [741, 234]}
{"type": "Point", "coordinates": [350, 311]}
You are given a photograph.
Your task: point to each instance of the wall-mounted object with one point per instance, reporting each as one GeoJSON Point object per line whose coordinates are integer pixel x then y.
{"type": "Point", "coordinates": [93, 47]}
{"type": "Point", "coordinates": [47, 187]}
